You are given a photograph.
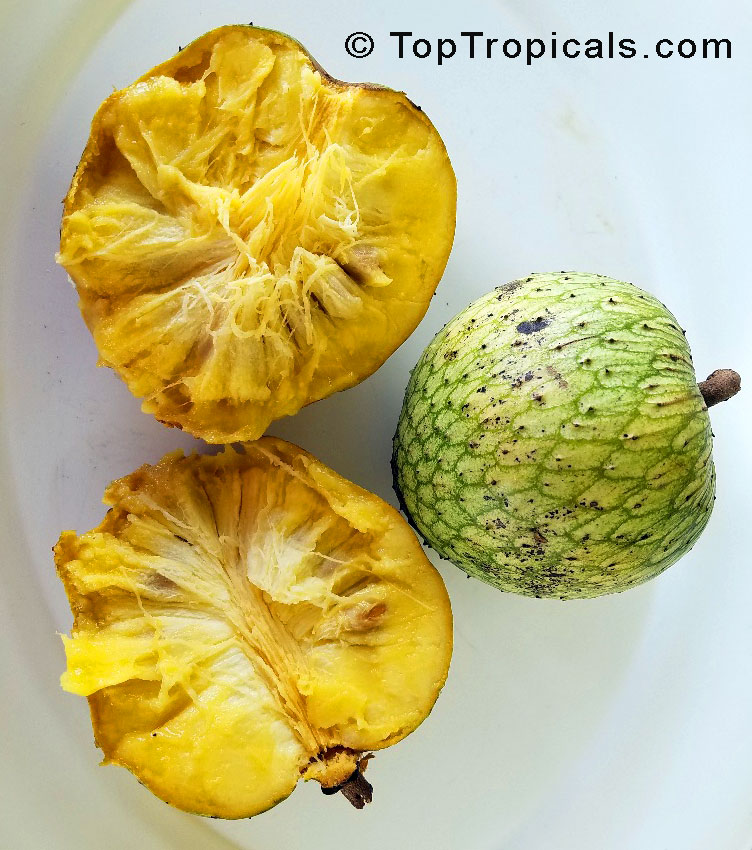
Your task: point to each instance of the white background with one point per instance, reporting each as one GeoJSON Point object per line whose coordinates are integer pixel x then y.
{"type": "Point", "coordinates": [621, 723]}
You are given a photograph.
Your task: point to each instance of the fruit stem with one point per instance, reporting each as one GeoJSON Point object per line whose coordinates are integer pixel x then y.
{"type": "Point", "coordinates": [720, 386]}
{"type": "Point", "coordinates": [356, 789]}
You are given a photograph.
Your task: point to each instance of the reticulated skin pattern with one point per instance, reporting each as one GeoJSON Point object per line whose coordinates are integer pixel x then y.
{"type": "Point", "coordinates": [553, 441]}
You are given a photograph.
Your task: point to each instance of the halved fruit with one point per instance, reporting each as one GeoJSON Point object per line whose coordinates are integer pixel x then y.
{"type": "Point", "coordinates": [248, 235]}
{"type": "Point", "coordinates": [248, 619]}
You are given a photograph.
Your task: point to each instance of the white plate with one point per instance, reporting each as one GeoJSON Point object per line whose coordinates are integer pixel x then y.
{"type": "Point", "coordinates": [612, 724]}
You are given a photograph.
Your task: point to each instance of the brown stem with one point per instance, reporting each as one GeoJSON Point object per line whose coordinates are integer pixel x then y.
{"type": "Point", "coordinates": [356, 788]}
{"type": "Point", "coordinates": [721, 385]}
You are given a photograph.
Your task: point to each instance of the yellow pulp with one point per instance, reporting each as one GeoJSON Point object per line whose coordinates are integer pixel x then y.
{"type": "Point", "coordinates": [245, 620]}
{"type": "Point", "coordinates": [248, 235]}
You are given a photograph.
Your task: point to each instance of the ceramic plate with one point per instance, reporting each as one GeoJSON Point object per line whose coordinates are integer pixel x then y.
{"type": "Point", "coordinates": [620, 723]}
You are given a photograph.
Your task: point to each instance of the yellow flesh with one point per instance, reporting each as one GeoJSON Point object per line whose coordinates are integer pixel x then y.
{"type": "Point", "coordinates": [237, 617]}
{"type": "Point", "coordinates": [248, 235]}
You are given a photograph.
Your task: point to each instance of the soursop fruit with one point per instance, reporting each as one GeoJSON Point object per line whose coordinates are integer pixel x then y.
{"type": "Point", "coordinates": [554, 441]}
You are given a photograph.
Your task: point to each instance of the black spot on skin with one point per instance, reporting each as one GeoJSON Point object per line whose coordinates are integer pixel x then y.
{"type": "Point", "coordinates": [534, 326]}
{"type": "Point", "coordinates": [508, 288]}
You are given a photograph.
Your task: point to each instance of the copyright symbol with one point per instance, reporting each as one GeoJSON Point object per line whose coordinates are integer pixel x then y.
{"type": "Point", "coordinates": [359, 44]}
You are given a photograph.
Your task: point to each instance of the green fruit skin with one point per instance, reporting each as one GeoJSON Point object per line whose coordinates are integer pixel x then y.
{"type": "Point", "coordinates": [553, 441]}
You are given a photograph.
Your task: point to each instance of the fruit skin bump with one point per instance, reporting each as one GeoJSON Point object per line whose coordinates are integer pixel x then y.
{"type": "Point", "coordinates": [248, 235]}
{"type": "Point", "coordinates": [246, 620]}
{"type": "Point", "coordinates": [553, 439]}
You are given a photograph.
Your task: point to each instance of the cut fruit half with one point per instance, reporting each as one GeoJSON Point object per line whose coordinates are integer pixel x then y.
{"type": "Point", "coordinates": [248, 235]}
{"type": "Point", "coordinates": [246, 620]}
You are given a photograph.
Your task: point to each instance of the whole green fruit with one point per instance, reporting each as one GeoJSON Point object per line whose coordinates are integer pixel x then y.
{"type": "Point", "coordinates": [554, 441]}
